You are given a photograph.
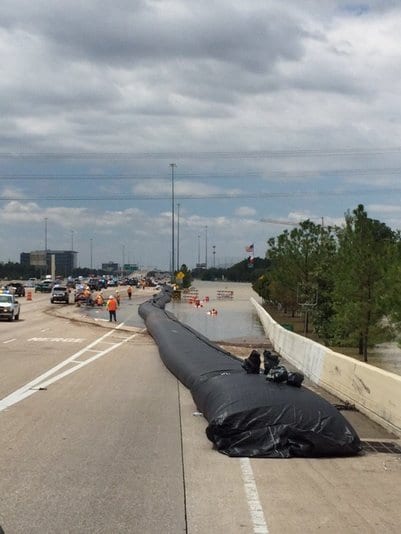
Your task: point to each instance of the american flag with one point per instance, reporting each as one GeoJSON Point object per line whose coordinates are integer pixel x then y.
{"type": "Point", "coordinates": [249, 248]}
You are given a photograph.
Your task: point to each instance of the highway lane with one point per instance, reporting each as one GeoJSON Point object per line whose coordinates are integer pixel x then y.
{"type": "Point", "coordinates": [36, 342]}
{"type": "Point", "coordinates": [117, 445]}
{"type": "Point", "coordinates": [98, 450]}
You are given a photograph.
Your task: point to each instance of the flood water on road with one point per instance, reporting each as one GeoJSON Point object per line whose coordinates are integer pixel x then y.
{"type": "Point", "coordinates": [236, 318]}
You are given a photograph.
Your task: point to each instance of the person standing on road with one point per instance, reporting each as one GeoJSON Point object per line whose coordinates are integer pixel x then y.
{"type": "Point", "coordinates": [112, 308]}
{"type": "Point", "coordinates": [129, 291]}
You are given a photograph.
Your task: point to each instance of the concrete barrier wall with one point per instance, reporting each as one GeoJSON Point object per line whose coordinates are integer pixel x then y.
{"type": "Point", "coordinates": [375, 392]}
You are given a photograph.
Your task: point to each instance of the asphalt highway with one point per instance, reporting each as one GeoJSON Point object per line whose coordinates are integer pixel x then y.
{"type": "Point", "coordinates": [96, 436]}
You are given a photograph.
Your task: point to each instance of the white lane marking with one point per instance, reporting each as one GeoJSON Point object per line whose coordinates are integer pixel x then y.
{"type": "Point", "coordinates": [10, 340]}
{"type": "Point", "coordinates": [58, 339]}
{"type": "Point", "coordinates": [252, 497]}
{"type": "Point", "coordinates": [41, 383]}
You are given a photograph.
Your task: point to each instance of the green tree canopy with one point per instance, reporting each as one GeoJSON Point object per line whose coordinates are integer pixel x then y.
{"type": "Point", "coordinates": [365, 263]}
{"type": "Point", "coordinates": [301, 265]}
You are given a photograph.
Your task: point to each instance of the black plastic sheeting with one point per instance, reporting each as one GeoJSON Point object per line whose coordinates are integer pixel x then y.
{"type": "Point", "coordinates": [247, 414]}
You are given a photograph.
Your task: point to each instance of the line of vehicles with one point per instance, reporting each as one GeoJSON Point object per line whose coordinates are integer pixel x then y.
{"type": "Point", "coordinates": [64, 291]}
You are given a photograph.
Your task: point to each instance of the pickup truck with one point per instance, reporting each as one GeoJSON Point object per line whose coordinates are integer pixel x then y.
{"type": "Point", "coordinates": [9, 306]}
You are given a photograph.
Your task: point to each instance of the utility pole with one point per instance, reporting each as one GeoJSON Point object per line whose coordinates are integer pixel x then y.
{"type": "Point", "coordinates": [205, 247]}
{"type": "Point", "coordinates": [172, 165]}
{"type": "Point", "coordinates": [46, 234]}
{"type": "Point", "coordinates": [178, 236]}
{"type": "Point", "coordinates": [214, 256]}
{"type": "Point", "coordinates": [46, 245]}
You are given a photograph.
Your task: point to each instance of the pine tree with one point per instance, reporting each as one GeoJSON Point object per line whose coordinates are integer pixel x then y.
{"type": "Point", "coordinates": [361, 280]}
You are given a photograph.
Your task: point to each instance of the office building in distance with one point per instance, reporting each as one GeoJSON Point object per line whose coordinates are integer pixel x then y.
{"type": "Point", "coordinates": [65, 260]}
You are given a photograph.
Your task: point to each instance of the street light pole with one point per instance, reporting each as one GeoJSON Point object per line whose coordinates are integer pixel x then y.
{"type": "Point", "coordinates": [172, 165]}
{"type": "Point", "coordinates": [214, 256]}
{"type": "Point", "coordinates": [198, 250]}
{"type": "Point", "coordinates": [46, 245]}
{"type": "Point", "coordinates": [46, 234]}
{"type": "Point", "coordinates": [91, 251]}
{"type": "Point", "coordinates": [178, 236]}
{"type": "Point", "coordinates": [205, 247]}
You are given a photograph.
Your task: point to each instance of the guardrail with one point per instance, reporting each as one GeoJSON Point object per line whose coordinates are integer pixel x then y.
{"type": "Point", "coordinates": [374, 392]}
{"type": "Point", "coordinates": [225, 294]}
{"type": "Point", "coordinates": [190, 295]}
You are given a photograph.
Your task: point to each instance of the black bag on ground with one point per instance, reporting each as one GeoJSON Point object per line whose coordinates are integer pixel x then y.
{"type": "Point", "coordinates": [252, 363]}
{"type": "Point", "coordinates": [295, 379]}
{"type": "Point", "coordinates": [270, 361]}
{"type": "Point", "coordinates": [278, 374]}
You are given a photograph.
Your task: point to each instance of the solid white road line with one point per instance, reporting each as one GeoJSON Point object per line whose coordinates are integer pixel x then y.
{"type": "Point", "coordinates": [252, 497]}
{"type": "Point", "coordinates": [41, 383]}
{"type": "Point", "coordinates": [10, 340]}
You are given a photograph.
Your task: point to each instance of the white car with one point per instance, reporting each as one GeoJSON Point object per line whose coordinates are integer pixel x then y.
{"type": "Point", "coordinates": [9, 306]}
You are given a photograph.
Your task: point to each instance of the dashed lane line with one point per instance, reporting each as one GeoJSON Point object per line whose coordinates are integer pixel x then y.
{"type": "Point", "coordinates": [252, 497]}
{"type": "Point", "coordinates": [50, 376]}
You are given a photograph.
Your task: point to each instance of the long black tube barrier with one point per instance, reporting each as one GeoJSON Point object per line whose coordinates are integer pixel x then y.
{"type": "Point", "coordinates": [247, 414]}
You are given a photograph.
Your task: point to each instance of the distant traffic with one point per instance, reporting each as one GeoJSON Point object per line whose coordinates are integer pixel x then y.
{"type": "Point", "coordinates": [80, 290]}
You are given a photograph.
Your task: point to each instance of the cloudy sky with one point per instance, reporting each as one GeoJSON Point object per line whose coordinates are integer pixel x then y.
{"type": "Point", "coordinates": [272, 111]}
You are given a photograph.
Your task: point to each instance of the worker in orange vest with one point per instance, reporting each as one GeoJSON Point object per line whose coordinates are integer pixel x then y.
{"type": "Point", "coordinates": [112, 308]}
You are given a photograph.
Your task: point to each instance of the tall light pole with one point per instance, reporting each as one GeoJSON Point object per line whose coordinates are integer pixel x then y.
{"type": "Point", "coordinates": [172, 165]}
{"type": "Point", "coordinates": [214, 256]}
{"type": "Point", "coordinates": [72, 239]}
{"type": "Point", "coordinates": [198, 250]}
{"type": "Point", "coordinates": [46, 245]}
{"type": "Point", "coordinates": [46, 234]}
{"type": "Point", "coordinates": [205, 247]}
{"type": "Point", "coordinates": [91, 252]}
{"type": "Point", "coordinates": [123, 256]}
{"type": "Point", "coordinates": [178, 236]}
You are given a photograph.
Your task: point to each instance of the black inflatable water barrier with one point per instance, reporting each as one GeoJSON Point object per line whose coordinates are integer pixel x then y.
{"type": "Point", "coordinates": [247, 415]}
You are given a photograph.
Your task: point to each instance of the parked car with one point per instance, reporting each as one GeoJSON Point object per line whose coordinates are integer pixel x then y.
{"type": "Point", "coordinates": [9, 306]}
{"type": "Point", "coordinates": [59, 294]}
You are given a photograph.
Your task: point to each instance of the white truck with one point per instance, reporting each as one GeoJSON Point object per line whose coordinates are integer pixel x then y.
{"type": "Point", "coordinates": [9, 306]}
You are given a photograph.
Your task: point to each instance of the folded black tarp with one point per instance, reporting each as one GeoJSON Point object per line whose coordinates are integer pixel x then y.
{"type": "Point", "coordinates": [247, 415]}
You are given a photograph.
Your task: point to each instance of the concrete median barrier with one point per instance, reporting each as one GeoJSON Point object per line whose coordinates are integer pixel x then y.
{"type": "Point", "coordinates": [375, 392]}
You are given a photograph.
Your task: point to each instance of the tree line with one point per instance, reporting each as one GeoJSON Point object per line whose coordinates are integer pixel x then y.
{"type": "Point", "coordinates": [344, 280]}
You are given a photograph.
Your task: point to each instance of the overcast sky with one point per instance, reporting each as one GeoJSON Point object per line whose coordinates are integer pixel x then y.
{"type": "Point", "coordinates": [270, 110]}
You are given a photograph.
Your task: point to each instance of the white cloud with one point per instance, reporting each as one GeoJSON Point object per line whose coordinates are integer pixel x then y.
{"type": "Point", "coordinates": [245, 211]}
{"type": "Point", "coordinates": [308, 85]}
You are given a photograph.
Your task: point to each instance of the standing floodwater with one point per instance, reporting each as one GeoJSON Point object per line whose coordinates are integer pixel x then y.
{"type": "Point", "coordinates": [236, 318]}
